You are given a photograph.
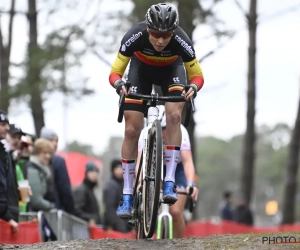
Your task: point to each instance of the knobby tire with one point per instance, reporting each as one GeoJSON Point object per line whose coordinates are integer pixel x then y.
{"type": "Point", "coordinates": [139, 225]}
{"type": "Point", "coordinates": [151, 185]}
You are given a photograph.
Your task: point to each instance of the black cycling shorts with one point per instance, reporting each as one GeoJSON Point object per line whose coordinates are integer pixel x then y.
{"type": "Point", "coordinates": [171, 78]}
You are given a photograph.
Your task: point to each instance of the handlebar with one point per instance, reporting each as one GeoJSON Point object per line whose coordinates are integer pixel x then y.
{"type": "Point", "coordinates": [192, 202]}
{"type": "Point", "coordinates": [155, 98]}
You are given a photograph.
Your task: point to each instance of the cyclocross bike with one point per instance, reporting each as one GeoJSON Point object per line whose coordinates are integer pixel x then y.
{"type": "Point", "coordinates": [146, 200]}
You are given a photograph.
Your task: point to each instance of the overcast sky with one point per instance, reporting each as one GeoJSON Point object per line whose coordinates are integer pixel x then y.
{"type": "Point", "coordinates": [221, 104]}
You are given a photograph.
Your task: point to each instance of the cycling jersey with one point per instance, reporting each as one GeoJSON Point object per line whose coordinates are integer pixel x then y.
{"type": "Point", "coordinates": [185, 141]}
{"type": "Point", "coordinates": [136, 42]}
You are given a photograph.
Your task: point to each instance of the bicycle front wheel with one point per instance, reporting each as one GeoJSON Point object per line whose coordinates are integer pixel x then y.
{"type": "Point", "coordinates": [152, 182]}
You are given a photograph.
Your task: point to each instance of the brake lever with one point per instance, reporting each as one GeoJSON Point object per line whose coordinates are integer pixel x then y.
{"type": "Point", "coordinates": [186, 88]}
{"type": "Point", "coordinates": [192, 201]}
{"type": "Point", "coordinates": [122, 97]}
{"type": "Point", "coordinates": [121, 103]}
{"type": "Point", "coordinates": [192, 102]}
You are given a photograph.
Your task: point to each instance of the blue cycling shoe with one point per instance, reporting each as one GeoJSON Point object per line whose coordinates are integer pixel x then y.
{"type": "Point", "coordinates": [169, 195]}
{"type": "Point", "coordinates": [124, 209]}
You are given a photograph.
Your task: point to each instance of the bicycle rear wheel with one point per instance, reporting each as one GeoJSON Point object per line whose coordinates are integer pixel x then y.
{"type": "Point", "coordinates": [152, 182]}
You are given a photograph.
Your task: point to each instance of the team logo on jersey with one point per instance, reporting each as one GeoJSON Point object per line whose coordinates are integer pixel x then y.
{"type": "Point", "coordinates": [123, 48]}
{"type": "Point", "coordinates": [176, 80]}
{"type": "Point", "coordinates": [133, 38]}
{"type": "Point", "coordinates": [185, 45]}
{"type": "Point", "coordinates": [134, 89]}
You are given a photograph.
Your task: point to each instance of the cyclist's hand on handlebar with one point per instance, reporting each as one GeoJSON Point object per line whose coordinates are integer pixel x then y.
{"type": "Point", "coordinates": [189, 91]}
{"type": "Point", "coordinates": [120, 88]}
{"type": "Point", "coordinates": [195, 193]}
{"type": "Point", "coordinates": [125, 91]}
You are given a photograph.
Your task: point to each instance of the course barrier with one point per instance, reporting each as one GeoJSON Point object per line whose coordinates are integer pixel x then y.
{"type": "Point", "coordinates": [68, 227]}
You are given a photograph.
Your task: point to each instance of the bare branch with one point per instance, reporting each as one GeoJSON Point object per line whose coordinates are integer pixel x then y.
{"type": "Point", "coordinates": [281, 13]}
{"type": "Point", "coordinates": [16, 64]}
{"type": "Point", "coordinates": [96, 11]}
{"type": "Point", "coordinates": [14, 12]}
{"type": "Point", "coordinates": [238, 4]}
{"type": "Point", "coordinates": [10, 27]}
{"type": "Point", "coordinates": [221, 45]}
{"type": "Point", "coordinates": [101, 58]}
{"type": "Point", "coordinates": [206, 56]}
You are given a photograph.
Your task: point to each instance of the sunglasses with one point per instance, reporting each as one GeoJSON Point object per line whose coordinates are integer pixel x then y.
{"type": "Point", "coordinates": [160, 35]}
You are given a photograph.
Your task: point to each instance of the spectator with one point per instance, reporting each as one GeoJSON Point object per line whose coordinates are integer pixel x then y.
{"type": "Point", "coordinates": [9, 211]}
{"type": "Point", "coordinates": [86, 204]}
{"type": "Point", "coordinates": [40, 177]}
{"type": "Point", "coordinates": [243, 214]}
{"type": "Point", "coordinates": [62, 188]}
{"type": "Point", "coordinates": [111, 197]}
{"type": "Point", "coordinates": [26, 149]}
{"type": "Point", "coordinates": [14, 140]}
{"type": "Point", "coordinates": [226, 207]}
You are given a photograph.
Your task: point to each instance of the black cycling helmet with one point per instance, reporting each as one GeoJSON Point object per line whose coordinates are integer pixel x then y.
{"type": "Point", "coordinates": [162, 17]}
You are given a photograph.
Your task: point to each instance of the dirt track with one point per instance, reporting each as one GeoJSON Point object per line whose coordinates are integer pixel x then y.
{"type": "Point", "coordinates": [222, 242]}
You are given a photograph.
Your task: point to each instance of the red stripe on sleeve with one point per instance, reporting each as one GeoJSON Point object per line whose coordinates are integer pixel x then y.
{"type": "Point", "coordinates": [113, 77]}
{"type": "Point", "coordinates": [198, 80]}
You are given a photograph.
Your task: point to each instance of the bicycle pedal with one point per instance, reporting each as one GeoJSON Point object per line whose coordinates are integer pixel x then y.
{"type": "Point", "coordinates": [131, 222]}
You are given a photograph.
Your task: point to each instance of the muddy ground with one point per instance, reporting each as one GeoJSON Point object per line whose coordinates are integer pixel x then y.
{"type": "Point", "coordinates": [222, 242]}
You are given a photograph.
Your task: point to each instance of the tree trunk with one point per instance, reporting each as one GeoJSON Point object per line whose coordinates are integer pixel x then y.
{"type": "Point", "coordinates": [34, 71]}
{"type": "Point", "coordinates": [4, 89]}
{"type": "Point", "coordinates": [290, 189]}
{"type": "Point", "coordinates": [5, 61]}
{"type": "Point", "coordinates": [249, 139]}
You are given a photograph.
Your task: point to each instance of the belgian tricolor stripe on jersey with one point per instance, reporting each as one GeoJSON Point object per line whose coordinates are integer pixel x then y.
{"type": "Point", "coordinates": [174, 88]}
{"type": "Point", "coordinates": [172, 147]}
{"type": "Point", "coordinates": [133, 101]}
{"type": "Point", "coordinates": [155, 60]}
{"type": "Point", "coordinates": [128, 161]}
